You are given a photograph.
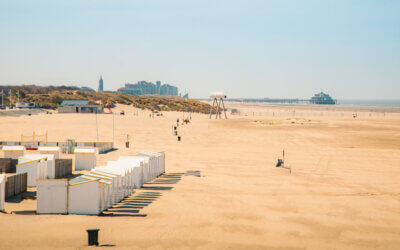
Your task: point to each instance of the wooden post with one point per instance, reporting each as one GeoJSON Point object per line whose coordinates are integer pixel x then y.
{"type": "Point", "coordinates": [212, 106]}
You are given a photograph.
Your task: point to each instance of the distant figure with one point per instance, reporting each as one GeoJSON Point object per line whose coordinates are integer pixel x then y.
{"type": "Point", "coordinates": [127, 141]}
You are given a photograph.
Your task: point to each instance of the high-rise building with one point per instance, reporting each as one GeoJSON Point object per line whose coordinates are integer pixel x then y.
{"type": "Point", "coordinates": [148, 88]}
{"type": "Point", "coordinates": [101, 84]}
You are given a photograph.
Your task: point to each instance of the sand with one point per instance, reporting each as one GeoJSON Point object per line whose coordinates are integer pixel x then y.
{"type": "Point", "coordinates": [343, 191]}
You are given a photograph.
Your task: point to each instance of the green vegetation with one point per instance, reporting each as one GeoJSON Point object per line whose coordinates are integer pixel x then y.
{"type": "Point", "coordinates": [50, 97]}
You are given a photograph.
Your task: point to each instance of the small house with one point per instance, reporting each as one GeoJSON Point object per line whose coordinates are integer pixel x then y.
{"type": "Point", "coordinates": [54, 150]}
{"type": "Point", "coordinates": [85, 158]}
{"type": "Point", "coordinates": [79, 106]}
{"type": "Point", "coordinates": [36, 169]}
{"type": "Point", "coordinates": [52, 196]}
{"type": "Point", "coordinates": [13, 151]}
{"type": "Point", "coordinates": [50, 163]}
{"type": "Point", "coordinates": [86, 195]}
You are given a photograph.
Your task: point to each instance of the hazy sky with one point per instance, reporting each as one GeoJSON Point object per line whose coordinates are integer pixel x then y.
{"type": "Point", "coordinates": [350, 49]}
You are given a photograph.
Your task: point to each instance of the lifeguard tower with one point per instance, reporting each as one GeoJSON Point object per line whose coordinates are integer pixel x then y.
{"type": "Point", "coordinates": [218, 102]}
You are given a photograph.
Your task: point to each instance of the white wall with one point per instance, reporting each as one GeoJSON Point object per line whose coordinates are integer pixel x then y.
{"type": "Point", "coordinates": [2, 191]}
{"type": "Point", "coordinates": [55, 153]}
{"type": "Point", "coordinates": [50, 169]}
{"type": "Point", "coordinates": [84, 198]}
{"type": "Point", "coordinates": [85, 161]}
{"type": "Point", "coordinates": [35, 170]}
{"type": "Point", "coordinates": [13, 154]}
{"type": "Point", "coordinates": [52, 196]}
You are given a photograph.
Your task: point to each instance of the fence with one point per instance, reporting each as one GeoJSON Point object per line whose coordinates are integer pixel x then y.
{"type": "Point", "coordinates": [63, 167]}
{"type": "Point", "coordinates": [7, 165]}
{"type": "Point", "coordinates": [101, 147]}
{"type": "Point", "coordinates": [16, 184]}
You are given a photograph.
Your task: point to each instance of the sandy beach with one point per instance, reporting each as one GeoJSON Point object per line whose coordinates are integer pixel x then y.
{"type": "Point", "coordinates": [343, 191]}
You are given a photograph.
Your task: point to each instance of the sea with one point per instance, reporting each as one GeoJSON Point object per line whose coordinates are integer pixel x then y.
{"type": "Point", "coordinates": [374, 103]}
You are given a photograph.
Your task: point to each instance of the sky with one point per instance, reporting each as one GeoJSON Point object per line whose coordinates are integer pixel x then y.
{"type": "Point", "coordinates": [255, 49]}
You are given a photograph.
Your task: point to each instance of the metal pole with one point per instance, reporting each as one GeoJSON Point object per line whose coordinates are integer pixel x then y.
{"type": "Point", "coordinates": [212, 107]}
{"type": "Point", "coordinates": [218, 112]}
{"type": "Point", "coordinates": [97, 129]}
{"type": "Point", "coordinates": [10, 98]}
{"type": "Point", "coordinates": [113, 126]}
{"type": "Point", "coordinates": [223, 105]}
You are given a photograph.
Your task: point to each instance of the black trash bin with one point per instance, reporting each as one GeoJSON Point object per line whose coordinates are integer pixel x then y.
{"type": "Point", "coordinates": [93, 237]}
{"type": "Point", "coordinates": [179, 138]}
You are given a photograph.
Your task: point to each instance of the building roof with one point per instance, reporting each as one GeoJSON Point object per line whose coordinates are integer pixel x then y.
{"type": "Point", "coordinates": [49, 148]}
{"type": "Point", "coordinates": [74, 102]}
{"type": "Point", "coordinates": [85, 150]}
{"type": "Point", "coordinates": [13, 148]}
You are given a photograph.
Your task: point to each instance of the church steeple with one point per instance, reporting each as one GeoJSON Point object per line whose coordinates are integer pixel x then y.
{"type": "Point", "coordinates": [101, 84]}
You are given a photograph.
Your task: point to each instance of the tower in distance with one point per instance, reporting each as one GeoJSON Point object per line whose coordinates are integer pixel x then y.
{"type": "Point", "coordinates": [101, 84]}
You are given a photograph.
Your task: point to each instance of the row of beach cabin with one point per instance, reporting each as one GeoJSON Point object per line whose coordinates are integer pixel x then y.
{"type": "Point", "coordinates": [101, 187]}
{"type": "Point", "coordinates": [90, 193]}
{"type": "Point", "coordinates": [45, 163]}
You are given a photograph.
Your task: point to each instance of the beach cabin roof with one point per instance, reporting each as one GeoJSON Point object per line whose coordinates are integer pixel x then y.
{"type": "Point", "coordinates": [131, 159]}
{"type": "Point", "coordinates": [102, 179]}
{"type": "Point", "coordinates": [74, 102]}
{"type": "Point", "coordinates": [81, 150]}
{"type": "Point", "coordinates": [13, 148]}
{"type": "Point", "coordinates": [111, 170]}
{"type": "Point", "coordinates": [104, 172]}
{"type": "Point", "coordinates": [31, 157]}
{"type": "Point", "coordinates": [49, 148]}
{"type": "Point", "coordinates": [144, 157]}
{"type": "Point", "coordinates": [151, 153]}
{"type": "Point", "coordinates": [79, 180]}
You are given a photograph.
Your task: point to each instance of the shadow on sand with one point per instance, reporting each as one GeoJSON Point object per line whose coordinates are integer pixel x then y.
{"type": "Point", "coordinates": [20, 197]}
{"type": "Point", "coordinates": [143, 197]}
{"type": "Point", "coordinates": [110, 150]}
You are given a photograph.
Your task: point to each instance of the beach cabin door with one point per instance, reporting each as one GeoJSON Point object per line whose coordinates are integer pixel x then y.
{"type": "Point", "coordinates": [59, 193]}
{"type": "Point", "coordinates": [52, 197]}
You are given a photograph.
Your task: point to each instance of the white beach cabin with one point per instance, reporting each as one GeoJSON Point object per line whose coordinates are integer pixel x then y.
{"type": "Point", "coordinates": [13, 152]}
{"type": "Point", "coordinates": [114, 184]}
{"type": "Point", "coordinates": [85, 158]}
{"type": "Point", "coordinates": [149, 163]}
{"type": "Point", "coordinates": [52, 196]}
{"type": "Point", "coordinates": [107, 189]}
{"type": "Point", "coordinates": [36, 169]}
{"type": "Point", "coordinates": [126, 171]}
{"type": "Point", "coordinates": [86, 196]}
{"type": "Point", "coordinates": [159, 167]}
{"type": "Point", "coordinates": [54, 150]}
{"type": "Point", "coordinates": [137, 164]}
{"type": "Point", "coordinates": [119, 187]}
{"type": "Point", "coordinates": [51, 164]}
